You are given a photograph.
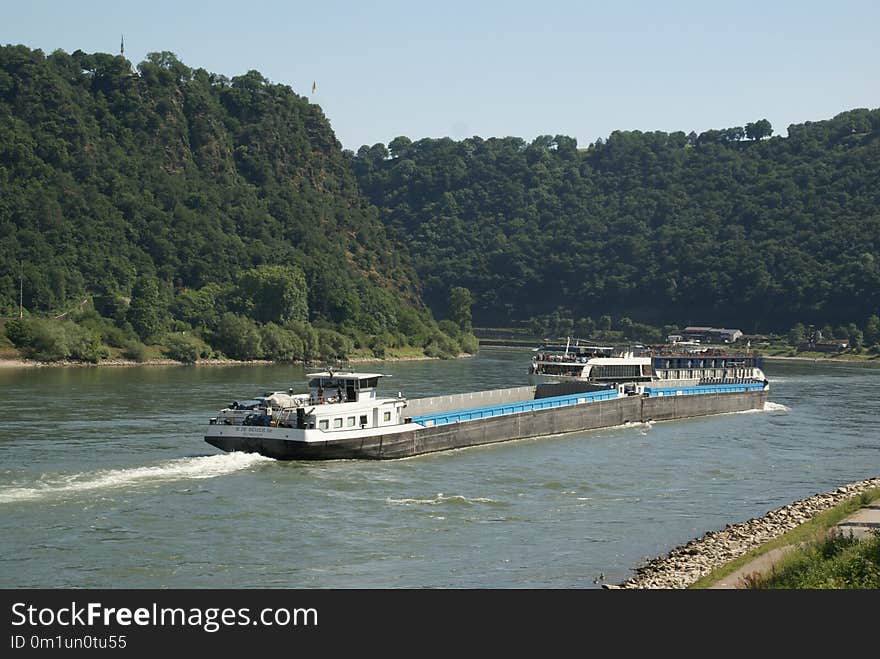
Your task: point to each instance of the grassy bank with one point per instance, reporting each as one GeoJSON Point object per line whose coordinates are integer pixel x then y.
{"type": "Point", "coordinates": [838, 562]}
{"type": "Point", "coordinates": [816, 551]}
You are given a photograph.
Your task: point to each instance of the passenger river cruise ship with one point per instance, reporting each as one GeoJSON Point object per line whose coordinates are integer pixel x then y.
{"type": "Point", "coordinates": [685, 364]}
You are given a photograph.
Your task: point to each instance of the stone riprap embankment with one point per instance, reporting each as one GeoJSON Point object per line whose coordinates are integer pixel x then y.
{"type": "Point", "coordinates": [684, 565]}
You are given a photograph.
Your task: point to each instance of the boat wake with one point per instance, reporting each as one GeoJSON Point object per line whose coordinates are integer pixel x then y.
{"type": "Point", "coordinates": [768, 407]}
{"type": "Point", "coordinates": [642, 426]}
{"type": "Point", "coordinates": [209, 466]}
{"type": "Point", "coordinates": [441, 499]}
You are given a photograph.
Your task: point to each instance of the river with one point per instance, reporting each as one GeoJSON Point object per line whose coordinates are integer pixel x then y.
{"type": "Point", "coordinates": [106, 482]}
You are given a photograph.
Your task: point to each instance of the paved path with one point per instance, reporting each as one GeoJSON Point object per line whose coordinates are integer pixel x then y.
{"type": "Point", "coordinates": [863, 522]}
{"type": "Point", "coordinates": [860, 523]}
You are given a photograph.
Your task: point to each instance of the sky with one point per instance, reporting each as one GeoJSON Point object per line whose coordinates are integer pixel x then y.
{"type": "Point", "coordinates": [456, 68]}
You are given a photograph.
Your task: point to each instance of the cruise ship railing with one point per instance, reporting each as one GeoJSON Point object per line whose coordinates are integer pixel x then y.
{"type": "Point", "coordinates": [653, 392]}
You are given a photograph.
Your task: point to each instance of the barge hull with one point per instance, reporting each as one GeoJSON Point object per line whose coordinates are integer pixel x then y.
{"type": "Point", "coordinates": [538, 423]}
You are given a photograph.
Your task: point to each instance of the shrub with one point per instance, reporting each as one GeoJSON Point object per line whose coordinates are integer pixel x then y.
{"type": "Point", "coordinates": [106, 329]}
{"type": "Point", "coordinates": [183, 347]}
{"type": "Point", "coordinates": [380, 343]}
{"type": "Point", "coordinates": [280, 344]}
{"type": "Point", "coordinates": [333, 345]}
{"type": "Point", "coordinates": [134, 350]}
{"type": "Point", "coordinates": [238, 337]}
{"type": "Point", "coordinates": [469, 343]}
{"type": "Point", "coordinates": [83, 344]}
{"type": "Point", "coordinates": [308, 335]}
{"type": "Point", "coordinates": [449, 328]}
{"type": "Point", "coordinates": [19, 331]}
{"type": "Point", "coordinates": [442, 346]}
{"type": "Point", "coordinates": [46, 339]}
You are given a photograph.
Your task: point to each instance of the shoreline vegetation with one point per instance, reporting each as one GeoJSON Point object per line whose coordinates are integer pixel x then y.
{"type": "Point", "coordinates": [17, 362]}
{"type": "Point", "coordinates": [704, 561]}
{"type": "Point", "coordinates": [10, 359]}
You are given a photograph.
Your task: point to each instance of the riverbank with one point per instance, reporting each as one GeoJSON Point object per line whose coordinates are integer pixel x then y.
{"type": "Point", "coordinates": [687, 564]}
{"type": "Point", "coordinates": [28, 363]}
{"type": "Point", "coordinates": [847, 357]}
{"type": "Point", "coordinates": [855, 359]}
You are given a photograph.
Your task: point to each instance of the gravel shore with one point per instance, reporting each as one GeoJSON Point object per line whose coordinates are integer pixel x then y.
{"type": "Point", "coordinates": [686, 564]}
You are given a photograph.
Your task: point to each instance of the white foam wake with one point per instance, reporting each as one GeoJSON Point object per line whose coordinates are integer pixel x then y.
{"type": "Point", "coordinates": [209, 466]}
{"type": "Point", "coordinates": [441, 498]}
{"type": "Point", "coordinates": [768, 407]}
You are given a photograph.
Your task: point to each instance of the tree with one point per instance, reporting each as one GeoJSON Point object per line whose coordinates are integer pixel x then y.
{"type": "Point", "coordinates": [198, 306]}
{"type": "Point", "coordinates": [147, 312]}
{"type": "Point", "coordinates": [855, 336]}
{"type": "Point", "coordinates": [460, 301]}
{"type": "Point", "coordinates": [238, 337]}
{"type": "Point", "coordinates": [183, 347]}
{"type": "Point", "coordinates": [796, 334]}
{"type": "Point", "coordinates": [758, 130]}
{"type": "Point", "coordinates": [274, 293]}
{"type": "Point", "coordinates": [399, 146]}
{"type": "Point", "coordinates": [280, 344]}
{"type": "Point", "coordinates": [872, 330]}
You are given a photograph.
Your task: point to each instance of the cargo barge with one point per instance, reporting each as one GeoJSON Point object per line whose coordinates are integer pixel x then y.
{"type": "Point", "coordinates": [343, 417]}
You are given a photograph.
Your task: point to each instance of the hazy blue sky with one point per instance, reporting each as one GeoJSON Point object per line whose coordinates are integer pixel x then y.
{"type": "Point", "coordinates": [493, 69]}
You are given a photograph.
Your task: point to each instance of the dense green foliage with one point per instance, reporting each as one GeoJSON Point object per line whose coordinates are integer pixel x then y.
{"type": "Point", "coordinates": [50, 340]}
{"type": "Point", "coordinates": [176, 199]}
{"type": "Point", "coordinates": [220, 216]}
{"type": "Point", "coordinates": [723, 228]}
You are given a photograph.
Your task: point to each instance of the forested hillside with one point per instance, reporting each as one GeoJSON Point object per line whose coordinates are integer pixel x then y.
{"type": "Point", "coordinates": [730, 227]}
{"type": "Point", "coordinates": [219, 216]}
{"type": "Point", "coordinates": [179, 201]}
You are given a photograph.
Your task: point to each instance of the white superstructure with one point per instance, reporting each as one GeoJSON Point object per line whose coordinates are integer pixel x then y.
{"type": "Point", "coordinates": [336, 404]}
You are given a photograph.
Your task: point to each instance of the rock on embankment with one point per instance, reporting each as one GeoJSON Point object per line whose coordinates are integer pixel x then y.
{"type": "Point", "coordinates": [684, 565]}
